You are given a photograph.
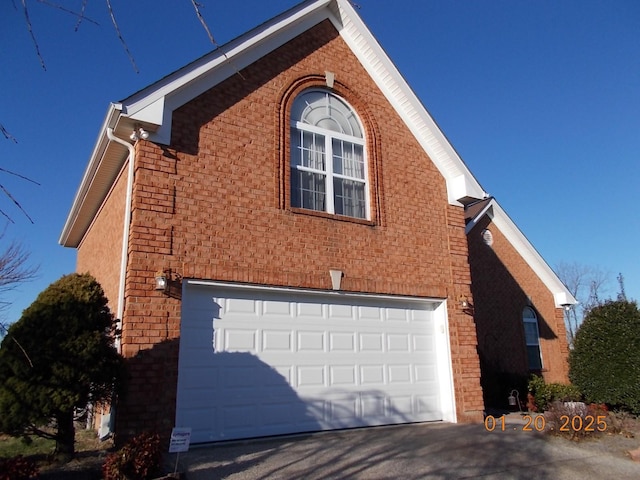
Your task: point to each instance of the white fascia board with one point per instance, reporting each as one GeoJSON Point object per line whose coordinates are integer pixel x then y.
{"type": "Point", "coordinates": [156, 103]}
{"type": "Point", "coordinates": [561, 295]}
{"type": "Point", "coordinates": [461, 184]}
{"type": "Point", "coordinates": [86, 183]}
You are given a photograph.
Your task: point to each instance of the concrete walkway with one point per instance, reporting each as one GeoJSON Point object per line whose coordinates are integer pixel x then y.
{"type": "Point", "coordinates": [419, 451]}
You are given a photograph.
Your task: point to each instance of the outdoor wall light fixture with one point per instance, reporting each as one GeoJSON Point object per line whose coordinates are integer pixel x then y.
{"type": "Point", "coordinates": [139, 133]}
{"type": "Point", "coordinates": [464, 301]}
{"type": "Point", "coordinates": [162, 282]}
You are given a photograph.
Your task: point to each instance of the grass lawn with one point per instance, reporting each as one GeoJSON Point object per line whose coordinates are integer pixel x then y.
{"type": "Point", "coordinates": [11, 447]}
{"type": "Point", "coordinates": [90, 452]}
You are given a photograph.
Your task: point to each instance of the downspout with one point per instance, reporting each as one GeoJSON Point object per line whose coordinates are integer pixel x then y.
{"type": "Point", "coordinates": [107, 422]}
{"type": "Point", "coordinates": [125, 230]}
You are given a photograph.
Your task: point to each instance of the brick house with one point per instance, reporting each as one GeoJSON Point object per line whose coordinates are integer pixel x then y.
{"type": "Point", "coordinates": [516, 298]}
{"type": "Point", "coordinates": [280, 228]}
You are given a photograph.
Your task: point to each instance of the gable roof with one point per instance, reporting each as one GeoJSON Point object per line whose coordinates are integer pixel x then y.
{"type": "Point", "coordinates": [152, 107]}
{"type": "Point", "coordinates": [490, 207]}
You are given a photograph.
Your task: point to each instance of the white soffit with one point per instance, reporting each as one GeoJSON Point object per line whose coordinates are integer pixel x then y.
{"type": "Point", "coordinates": [562, 296]}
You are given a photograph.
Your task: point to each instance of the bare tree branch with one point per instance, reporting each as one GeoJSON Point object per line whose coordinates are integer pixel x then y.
{"type": "Point", "coordinates": [81, 17]}
{"type": "Point", "coordinates": [24, 352]}
{"type": "Point", "coordinates": [16, 203]}
{"type": "Point", "coordinates": [197, 6]}
{"type": "Point", "coordinates": [25, 10]}
{"type": "Point", "coordinates": [9, 219]}
{"type": "Point", "coordinates": [19, 176]}
{"type": "Point", "coordinates": [14, 268]}
{"type": "Point", "coordinates": [587, 285]}
{"type": "Point", "coordinates": [7, 135]}
{"type": "Point", "coordinates": [124, 44]}
{"type": "Point", "coordinates": [80, 14]}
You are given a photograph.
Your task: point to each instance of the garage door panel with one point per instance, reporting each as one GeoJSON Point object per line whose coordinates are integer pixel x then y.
{"type": "Point", "coordinates": [309, 310]}
{"type": "Point", "coordinates": [238, 417]}
{"type": "Point", "coordinates": [426, 404]}
{"type": "Point", "coordinates": [420, 316]}
{"type": "Point", "coordinates": [286, 363]}
{"type": "Point", "coordinates": [277, 309]}
{"type": "Point", "coordinates": [369, 313]}
{"type": "Point", "coordinates": [200, 376]}
{"type": "Point", "coordinates": [399, 374]}
{"type": "Point", "coordinates": [340, 311]}
{"type": "Point", "coordinates": [311, 377]}
{"type": "Point", "coordinates": [373, 406]}
{"type": "Point", "coordinates": [425, 373]}
{"type": "Point", "coordinates": [398, 342]}
{"type": "Point", "coordinates": [282, 414]}
{"type": "Point", "coordinates": [371, 342]}
{"type": "Point", "coordinates": [236, 340]}
{"type": "Point", "coordinates": [423, 343]}
{"type": "Point", "coordinates": [201, 418]}
{"type": "Point", "coordinates": [396, 315]}
{"type": "Point", "coordinates": [342, 341]}
{"type": "Point", "coordinates": [243, 307]}
{"type": "Point", "coordinates": [372, 375]}
{"type": "Point", "coordinates": [277, 340]}
{"type": "Point", "coordinates": [311, 341]}
{"type": "Point", "coordinates": [198, 336]}
{"type": "Point", "coordinates": [342, 375]}
{"type": "Point", "coordinates": [343, 410]}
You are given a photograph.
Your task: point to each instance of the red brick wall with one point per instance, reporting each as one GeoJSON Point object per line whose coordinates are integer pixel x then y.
{"type": "Point", "coordinates": [100, 251]}
{"type": "Point", "coordinates": [503, 285]}
{"type": "Point", "coordinates": [215, 205]}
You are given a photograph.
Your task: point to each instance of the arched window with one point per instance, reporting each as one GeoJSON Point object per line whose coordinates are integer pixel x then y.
{"type": "Point", "coordinates": [532, 338]}
{"type": "Point", "coordinates": [328, 156]}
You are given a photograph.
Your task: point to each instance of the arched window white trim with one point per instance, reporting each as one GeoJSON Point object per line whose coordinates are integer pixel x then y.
{"type": "Point", "coordinates": [328, 156]}
{"type": "Point", "coordinates": [532, 338]}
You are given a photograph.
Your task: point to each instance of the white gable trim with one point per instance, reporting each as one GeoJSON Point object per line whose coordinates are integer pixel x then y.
{"type": "Point", "coordinates": [153, 106]}
{"type": "Point", "coordinates": [461, 184]}
{"type": "Point", "coordinates": [561, 295]}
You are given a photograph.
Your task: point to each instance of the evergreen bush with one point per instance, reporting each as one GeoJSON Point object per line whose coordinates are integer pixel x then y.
{"type": "Point", "coordinates": [605, 361]}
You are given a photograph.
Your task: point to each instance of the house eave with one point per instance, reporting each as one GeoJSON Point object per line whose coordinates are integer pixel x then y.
{"type": "Point", "coordinates": [153, 106]}
{"type": "Point", "coordinates": [561, 295]}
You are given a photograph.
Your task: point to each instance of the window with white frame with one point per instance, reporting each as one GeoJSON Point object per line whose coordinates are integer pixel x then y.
{"type": "Point", "coordinates": [532, 338]}
{"type": "Point", "coordinates": [328, 160]}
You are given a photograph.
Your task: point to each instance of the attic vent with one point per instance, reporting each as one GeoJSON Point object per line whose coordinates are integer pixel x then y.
{"type": "Point", "coordinates": [487, 237]}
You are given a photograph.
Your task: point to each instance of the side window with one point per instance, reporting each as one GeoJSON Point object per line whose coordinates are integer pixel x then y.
{"type": "Point", "coordinates": [532, 338]}
{"type": "Point", "coordinates": [328, 156]}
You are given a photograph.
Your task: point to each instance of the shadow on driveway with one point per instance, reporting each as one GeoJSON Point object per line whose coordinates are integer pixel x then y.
{"type": "Point", "coordinates": [417, 451]}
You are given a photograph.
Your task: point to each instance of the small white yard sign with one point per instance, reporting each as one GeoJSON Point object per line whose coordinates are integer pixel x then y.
{"type": "Point", "coordinates": [180, 438]}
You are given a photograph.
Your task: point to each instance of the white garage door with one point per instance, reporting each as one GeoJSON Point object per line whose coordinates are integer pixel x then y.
{"type": "Point", "coordinates": [262, 362]}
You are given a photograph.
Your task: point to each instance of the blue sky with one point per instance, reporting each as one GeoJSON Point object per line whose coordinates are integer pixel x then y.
{"type": "Point", "coordinates": [540, 98]}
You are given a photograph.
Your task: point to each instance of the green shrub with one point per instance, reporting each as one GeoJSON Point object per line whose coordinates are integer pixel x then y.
{"type": "Point", "coordinates": [605, 360]}
{"type": "Point", "coordinates": [139, 459]}
{"type": "Point", "coordinates": [546, 393]}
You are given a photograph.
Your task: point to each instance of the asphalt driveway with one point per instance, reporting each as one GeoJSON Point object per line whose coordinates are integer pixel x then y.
{"type": "Point", "coordinates": [418, 451]}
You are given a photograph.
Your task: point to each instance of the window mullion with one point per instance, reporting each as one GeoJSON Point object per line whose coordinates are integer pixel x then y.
{"type": "Point", "coordinates": [329, 177]}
